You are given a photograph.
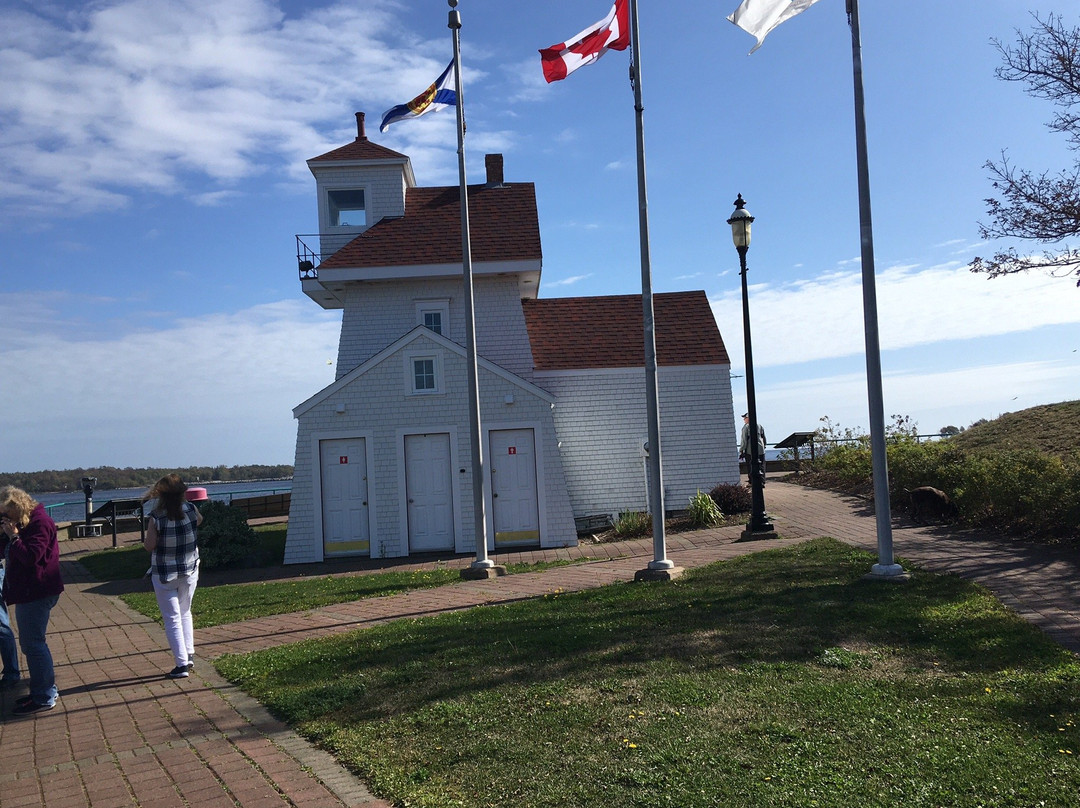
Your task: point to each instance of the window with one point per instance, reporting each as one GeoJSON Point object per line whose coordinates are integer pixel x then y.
{"type": "Point", "coordinates": [347, 207]}
{"type": "Point", "coordinates": [424, 375]}
{"type": "Point", "coordinates": [433, 320]}
{"type": "Point", "coordinates": [434, 314]}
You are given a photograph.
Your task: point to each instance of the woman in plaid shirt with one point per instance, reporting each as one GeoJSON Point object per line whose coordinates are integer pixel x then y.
{"type": "Point", "coordinates": [171, 534]}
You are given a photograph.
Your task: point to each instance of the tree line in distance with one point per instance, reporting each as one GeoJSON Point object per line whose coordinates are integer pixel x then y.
{"type": "Point", "coordinates": [109, 477]}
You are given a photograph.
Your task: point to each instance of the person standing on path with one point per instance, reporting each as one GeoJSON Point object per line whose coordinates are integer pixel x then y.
{"type": "Point", "coordinates": [32, 584]}
{"type": "Point", "coordinates": [744, 449]}
{"type": "Point", "coordinates": [9, 652]}
{"type": "Point", "coordinates": [171, 534]}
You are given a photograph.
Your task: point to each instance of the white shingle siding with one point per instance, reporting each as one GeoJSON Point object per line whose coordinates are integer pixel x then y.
{"type": "Point", "coordinates": [501, 335]}
{"type": "Point", "coordinates": [696, 435]}
{"type": "Point", "coordinates": [302, 513]}
{"type": "Point", "coordinates": [601, 421]}
{"type": "Point", "coordinates": [378, 313]}
{"type": "Point", "coordinates": [377, 403]}
{"type": "Point", "coordinates": [384, 188]}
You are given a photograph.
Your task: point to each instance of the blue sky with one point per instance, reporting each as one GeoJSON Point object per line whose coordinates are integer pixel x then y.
{"type": "Point", "coordinates": [152, 177]}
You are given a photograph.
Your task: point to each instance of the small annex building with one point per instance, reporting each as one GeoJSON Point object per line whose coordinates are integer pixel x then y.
{"type": "Point", "coordinates": [383, 453]}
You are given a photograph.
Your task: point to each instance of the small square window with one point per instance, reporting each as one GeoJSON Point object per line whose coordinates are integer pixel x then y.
{"type": "Point", "coordinates": [423, 374]}
{"type": "Point", "coordinates": [434, 315]}
{"type": "Point", "coordinates": [433, 320]}
{"type": "Point", "coordinates": [347, 207]}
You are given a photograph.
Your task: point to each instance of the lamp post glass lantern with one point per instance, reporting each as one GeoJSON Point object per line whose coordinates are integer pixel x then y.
{"type": "Point", "coordinates": [759, 523]}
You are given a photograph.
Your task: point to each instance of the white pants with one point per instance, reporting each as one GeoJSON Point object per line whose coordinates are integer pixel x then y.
{"type": "Point", "coordinates": [174, 600]}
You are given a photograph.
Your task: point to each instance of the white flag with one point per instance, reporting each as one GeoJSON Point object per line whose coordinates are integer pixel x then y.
{"type": "Point", "coordinates": [758, 17]}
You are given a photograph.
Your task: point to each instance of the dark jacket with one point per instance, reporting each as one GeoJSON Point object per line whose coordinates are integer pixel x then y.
{"type": "Point", "coordinates": [33, 560]}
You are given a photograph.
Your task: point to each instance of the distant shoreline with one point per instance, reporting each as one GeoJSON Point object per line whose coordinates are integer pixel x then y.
{"type": "Point", "coordinates": [189, 482]}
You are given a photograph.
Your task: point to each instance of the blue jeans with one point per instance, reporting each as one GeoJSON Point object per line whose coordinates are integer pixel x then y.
{"type": "Point", "coordinates": [9, 653]}
{"type": "Point", "coordinates": [32, 619]}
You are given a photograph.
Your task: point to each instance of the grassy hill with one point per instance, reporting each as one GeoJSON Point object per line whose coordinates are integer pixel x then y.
{"type": "Point", "coordinates": [1051, 428]}
{"type": "Point", "coordinates": [1018, 474]}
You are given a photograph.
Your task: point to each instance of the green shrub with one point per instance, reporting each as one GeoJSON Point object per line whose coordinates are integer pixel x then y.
{"type": "Point", "coordinates": [913, 464]}
{"type": "Point", "coordinates": [849, 463]}
{"type": "Point", "coordinates": [703, 511]}
{"type": "Point", "coordinates": [935, 463]}
{"type": "Point", "coordinates": [1025, 492]}
{"type": "Point", "coordinates": [225, 538]}
{"type": "Point", "coordinates": [731, 498]}
{"type": "Point", "coordinates": [632, 524]}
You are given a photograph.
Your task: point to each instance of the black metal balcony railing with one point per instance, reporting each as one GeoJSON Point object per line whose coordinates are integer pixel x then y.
{"type": "Point", "coordinates": [307, 259]}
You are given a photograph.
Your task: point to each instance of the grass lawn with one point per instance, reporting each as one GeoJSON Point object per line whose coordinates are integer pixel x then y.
{"type": "Point", "coordinates": [778, 679]}
{"type": "Point", "coordinates": [216, 605]}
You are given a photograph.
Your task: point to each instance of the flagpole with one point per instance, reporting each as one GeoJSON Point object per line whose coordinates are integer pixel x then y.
{"type": "Point", "coordinates": [482, 567]}
{"type": "Point", "coordinates": [886, 566]}
{"type": "Point", "coordinates": [661, 567]}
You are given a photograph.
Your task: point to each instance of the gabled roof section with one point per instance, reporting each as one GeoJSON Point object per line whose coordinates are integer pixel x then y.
{"type": "Point", "coordinates": [359, 149]}
{"type": "Point", "coordinates": [573, 333]}
{"type": "Point", "coordinates": [417, 334]}
{"type": "Point", "coordinates": [503, 226]}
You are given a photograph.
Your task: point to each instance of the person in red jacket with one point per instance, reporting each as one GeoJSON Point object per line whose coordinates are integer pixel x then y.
{"type": "Point", "coordinates": [33, 585]}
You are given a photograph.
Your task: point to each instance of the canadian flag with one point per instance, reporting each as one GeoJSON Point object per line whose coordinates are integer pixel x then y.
{"type": "Point", "coordinates": [611, 33]}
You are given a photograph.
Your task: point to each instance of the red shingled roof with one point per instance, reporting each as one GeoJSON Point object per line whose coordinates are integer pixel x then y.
{"type": "Point", "coordinates": [361, 149]}
{"type": "Point", "coordinates": [606, 332]}
{"type": "Point", "coordinates": [503, 226]}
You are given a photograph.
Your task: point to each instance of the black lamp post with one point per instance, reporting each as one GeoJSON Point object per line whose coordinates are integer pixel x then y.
{"type": "Point", "coordinates": [759, 525]}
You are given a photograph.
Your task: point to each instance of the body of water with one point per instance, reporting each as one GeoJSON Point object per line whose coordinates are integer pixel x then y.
{"type": "Point", "coordinates": [71, 506]}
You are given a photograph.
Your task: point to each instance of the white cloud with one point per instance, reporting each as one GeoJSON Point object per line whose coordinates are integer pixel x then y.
{"type": "Point", "coordinates": [809, 347]}
{"type": "Point", "coordinates": [212, 388]}
{"type": "Point", "coordinates": [528, 74]}
{"type": "Point", "coordinates": [822, 318]}
{"type": "Point", "coordinates": [933, 399]}
{"type": "Point", "coordinates": [567, 281]}
{"type": "Point", "coordinates": [213, 198]}
{"type": "Point", "coordinates": [573, 225]}
{"type": "Point", "coordinates": [125, 95]}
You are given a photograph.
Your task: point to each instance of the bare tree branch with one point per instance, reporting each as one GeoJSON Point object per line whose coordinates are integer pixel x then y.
{"type": "Point", "coordinates": [1046, 60]}
{"type": "Point", "coordinates": [1031, 206]}
{"type": "Point", "coordinates": [1062, 264]}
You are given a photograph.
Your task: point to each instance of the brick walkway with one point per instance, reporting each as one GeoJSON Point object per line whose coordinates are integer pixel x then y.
{"type": "Point", "coordinates": [123, 735]}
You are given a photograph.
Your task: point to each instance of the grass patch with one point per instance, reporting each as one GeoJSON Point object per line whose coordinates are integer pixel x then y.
{"type": "Point", "coordinates": [1050, 428]}
{"type": "Point", "coordinates": [230, 603]}
{"type": "Point", "coordinates": [777, 679]}
{"type": "Point", "coordinates": [122, 564]}
{"type": "Point", "coordinates": [216, 605]}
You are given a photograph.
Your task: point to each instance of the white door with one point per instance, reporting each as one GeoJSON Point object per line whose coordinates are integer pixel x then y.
{"type": "Point", "coordinates": [429, 493]}
{"type": "Point", "coordinates": [343, 465]}
{"type": "Point", "coordinates": [516, 516]}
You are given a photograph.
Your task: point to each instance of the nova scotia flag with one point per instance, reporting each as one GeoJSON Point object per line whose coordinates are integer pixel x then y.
{"type": "Point", "coordinates": [442, 93]}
